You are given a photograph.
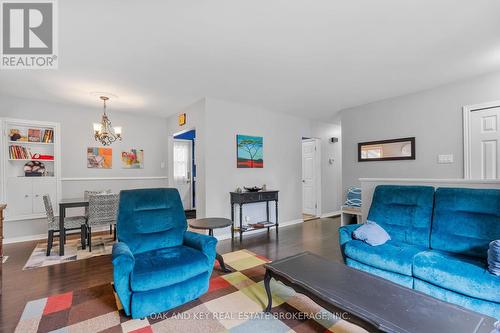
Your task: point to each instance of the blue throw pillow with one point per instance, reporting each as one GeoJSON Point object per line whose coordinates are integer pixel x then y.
{"type": "Point", "coordinates": [494, 257]}
{"type": "Point", "coordinates": [371, 233]}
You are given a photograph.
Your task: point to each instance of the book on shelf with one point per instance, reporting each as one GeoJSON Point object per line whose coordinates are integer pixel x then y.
{"type": "Point", "coordinates": [48, 136]}
{"type": "Point", "coordinates": [19, 153]}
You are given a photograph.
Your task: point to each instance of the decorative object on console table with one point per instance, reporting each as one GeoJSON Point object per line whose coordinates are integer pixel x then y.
{"type": "Point", "coordinates": [242, 198]}
{"type": "Point", "coordinates": [249, 151]}
{"type": "Point", "coordinates": [2, 207]}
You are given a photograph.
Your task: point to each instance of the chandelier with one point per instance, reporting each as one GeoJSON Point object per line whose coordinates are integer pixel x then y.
{"type": "Point", "coordinates": [104, 132]}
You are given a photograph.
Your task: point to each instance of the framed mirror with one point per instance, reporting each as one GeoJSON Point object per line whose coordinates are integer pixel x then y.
{"type": "Point", "coordinates": [387, 150]}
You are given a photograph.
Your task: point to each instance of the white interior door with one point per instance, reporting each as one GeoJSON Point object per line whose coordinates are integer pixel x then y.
{"type": "Point", "coordinates": [309, 202]}
{"type": "Point", "coordinates": [485, 143]}
{"type": "Point", "coordinates": [182, 170]}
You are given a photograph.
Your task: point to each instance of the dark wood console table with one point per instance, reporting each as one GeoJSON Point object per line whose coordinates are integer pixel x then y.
{"type": "Point", "coordinates": [253, 197]}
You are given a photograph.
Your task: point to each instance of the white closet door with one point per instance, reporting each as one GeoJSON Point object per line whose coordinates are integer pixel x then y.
{"type": "Point", "coordinates": [42, 186]}
{"type": "Point", "coordinates": [485, 143]}
{"type": "Point", "coordinates": [19, 196]}
{"type": "Point", "coordinates": [309, 177]}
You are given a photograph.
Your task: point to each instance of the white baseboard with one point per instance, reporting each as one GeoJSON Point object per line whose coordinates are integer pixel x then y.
{"type": "Point", "coordinates": [282, 224]}
{"type": "Point", "coordinates": [29, 238]}
{"type": "Point", "coordinates": [330, 214]}
{"type": "Point", "coordinates": [11, 240]}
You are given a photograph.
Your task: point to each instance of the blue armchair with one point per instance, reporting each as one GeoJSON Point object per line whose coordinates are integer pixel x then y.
{"type": "Point", "coordinates": [157, 264]}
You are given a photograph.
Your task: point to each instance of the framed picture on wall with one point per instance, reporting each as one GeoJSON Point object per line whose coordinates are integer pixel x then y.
{"type": "Point", "coordinates": [99, 158]}
{"type": "Point", "coordinates": [133, 159]}
{"type": "Point", "coordinates": [249, 151]}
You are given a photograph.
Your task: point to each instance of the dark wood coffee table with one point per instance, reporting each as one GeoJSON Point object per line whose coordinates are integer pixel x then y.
{"type": "Point", "coordinates": [374, 303]}
{"type": "Point", "coordinates": [210, 224]}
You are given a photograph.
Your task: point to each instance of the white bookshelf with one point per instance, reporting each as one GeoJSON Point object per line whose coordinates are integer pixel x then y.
{"type": "Point", "coordinates": [23, 194]}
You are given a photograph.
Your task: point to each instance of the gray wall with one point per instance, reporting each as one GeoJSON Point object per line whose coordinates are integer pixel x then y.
{"type": "Point", "coordinates": [143, 132]}
{"type": "Point", "coordinates": [218, 122]}
{"type": "Point", "coordinates": [433, 116]}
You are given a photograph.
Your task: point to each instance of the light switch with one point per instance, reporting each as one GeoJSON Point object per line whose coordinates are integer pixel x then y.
{"type": "Point", "coordinates": [162, 165]}
{"type": "Point", "coordinates": [445, 159]}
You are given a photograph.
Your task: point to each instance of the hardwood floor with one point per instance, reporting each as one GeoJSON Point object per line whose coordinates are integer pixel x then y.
{"type": "Point", "coordinates": [319, 236]}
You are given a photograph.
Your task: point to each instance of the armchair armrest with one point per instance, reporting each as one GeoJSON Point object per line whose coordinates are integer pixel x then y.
{"type": "Point", "coordinates": [123, 264]}
{"type": "Point", "coordinates": [203, 243]}
{"type": "Point", "coordinates": [345, 235]}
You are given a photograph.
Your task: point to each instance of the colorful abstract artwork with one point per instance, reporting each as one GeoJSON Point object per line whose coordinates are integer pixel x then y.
{"type": "Point", "coordinates": [133, 159]}
{"type": "Point", "coordinates": [99, 158]}
{"type": "Point", "coordinates": [249, 151]}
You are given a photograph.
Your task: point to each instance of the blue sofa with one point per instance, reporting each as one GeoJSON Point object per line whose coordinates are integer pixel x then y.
{"type": "Point", "coordinates": [439, 242]}
{"type": "Point", "coordinates": [157, 264]}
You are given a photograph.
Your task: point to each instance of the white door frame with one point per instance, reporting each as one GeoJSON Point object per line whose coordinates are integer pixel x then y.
{"type": "Point", "coordinates": [170, 159]}
{"type": "Point", "coordinates": [467, 110]}
{"type": "Point", "coordinates": [317, 170]}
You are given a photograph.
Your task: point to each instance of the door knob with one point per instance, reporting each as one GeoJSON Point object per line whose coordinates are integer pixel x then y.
{"type": "Point", "coordinates": [26, 196]}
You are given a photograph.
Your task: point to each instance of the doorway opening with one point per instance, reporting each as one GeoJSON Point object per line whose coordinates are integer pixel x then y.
{"type": "Point", "coordinates": [311, 178]}
{"type": "Point", "coordinates": [184, 169]}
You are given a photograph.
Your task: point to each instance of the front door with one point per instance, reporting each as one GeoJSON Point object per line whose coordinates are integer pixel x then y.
{"type": "Point", "coordinates": [309, 177]}
{"type": "Point", "coordinates": [182, 170]}
{"type": "Point", "coordinates": [485, 143]}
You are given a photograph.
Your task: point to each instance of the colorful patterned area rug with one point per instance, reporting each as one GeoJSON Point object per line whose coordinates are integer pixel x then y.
{"type": "Point", "coordinates": [234, 303]}
{"type": "Point", "coordinates": [101, 245]}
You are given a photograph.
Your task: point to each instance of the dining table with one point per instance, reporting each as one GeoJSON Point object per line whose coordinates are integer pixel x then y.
{"type": "Point", "coordinates": [63, 205]}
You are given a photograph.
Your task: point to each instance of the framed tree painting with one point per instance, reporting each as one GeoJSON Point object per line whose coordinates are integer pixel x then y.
{"type": "Point", "coordinates": [249, 151]}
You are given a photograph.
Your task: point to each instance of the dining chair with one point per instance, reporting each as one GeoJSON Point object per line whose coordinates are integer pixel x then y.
{"type": "Point", "coordinates": [102, 211]}
{"type": "Point", "coordinates": [70, 223]}
{"type": "Point", "coordinates": [88, 193]}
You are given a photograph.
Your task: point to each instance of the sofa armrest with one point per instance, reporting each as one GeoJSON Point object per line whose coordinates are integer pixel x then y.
{"type": "Point", "coordinates": [203, 243]}
{"type": "Point", "coordinates": [345, 234]}
{"type": "Point", "coordinates": [123, 264]}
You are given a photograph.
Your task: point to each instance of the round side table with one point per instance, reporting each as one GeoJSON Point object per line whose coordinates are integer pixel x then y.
{"type": "Point", "coordinates": [210, 224]}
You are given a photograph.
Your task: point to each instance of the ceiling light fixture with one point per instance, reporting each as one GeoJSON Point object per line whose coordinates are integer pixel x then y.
{"type": "Point", "coordinates": [104, 132]}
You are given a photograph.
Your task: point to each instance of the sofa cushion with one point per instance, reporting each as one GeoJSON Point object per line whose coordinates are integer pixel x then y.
{"type": "Point", "coordinates": [491, 309]}
{"type": "Point", "coordinates": [392, 256]}
{"type": "Point", "coordinates": [465, 275]}
{"type": "Point", "coordinates": [164, 267]}
{"type": "Point", "coordinates": [405, 212]}
{"type": "Point", "coordinates": [406, 281]}
{"type": "Point", "coordinates": [465, 220]}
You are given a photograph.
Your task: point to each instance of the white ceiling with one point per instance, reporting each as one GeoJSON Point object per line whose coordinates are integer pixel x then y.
{"type": "Point", "coordinates": [305, 57]}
